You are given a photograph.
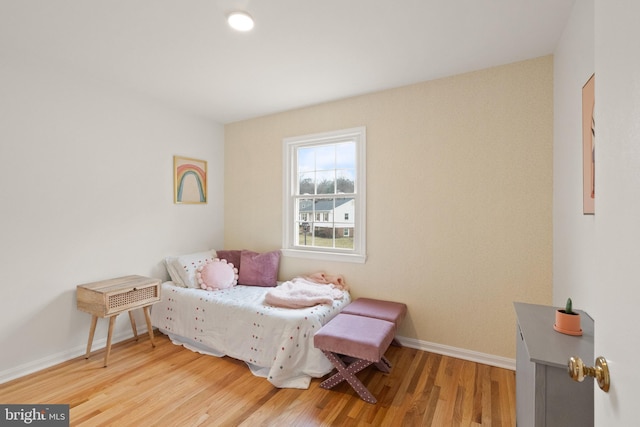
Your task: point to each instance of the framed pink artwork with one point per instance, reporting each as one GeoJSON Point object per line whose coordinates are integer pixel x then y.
{"type": "Point", "coordinates": [588, 148]}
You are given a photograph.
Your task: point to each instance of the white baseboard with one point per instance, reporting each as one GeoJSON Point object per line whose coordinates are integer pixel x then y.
{"type": "Point", "coordinates": [460, 353]}
{"type": "Point", "coordinates": [63, 356]}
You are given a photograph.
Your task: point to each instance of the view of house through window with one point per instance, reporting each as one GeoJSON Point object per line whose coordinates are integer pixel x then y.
{"type": "Point", "coordinates": [325, 195]}
{"type": "Point", "coordinates": [325, 187]}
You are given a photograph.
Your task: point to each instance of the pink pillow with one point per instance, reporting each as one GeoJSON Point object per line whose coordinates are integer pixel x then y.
{"type": "Point", "coordinates": [217, 274]}
{"type": "Point", "coordinates": [232, 257]}
{"type": "Point", "coordinates": [259, 269]}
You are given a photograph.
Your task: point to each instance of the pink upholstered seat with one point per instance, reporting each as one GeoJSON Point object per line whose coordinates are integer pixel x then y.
{"type": "Point", "coordinates": [362, 337]}
{"type": "Point", "coordinates": [365, 339]}
{"type": "Point", "coordinates": [363, 331]}
{"type": "Point", "coordinates": [387, 310]}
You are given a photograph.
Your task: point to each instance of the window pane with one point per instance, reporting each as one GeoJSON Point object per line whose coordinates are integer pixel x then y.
{"type": "Point", "coordinates": [344, 223]}
{"type": "Point", "coordinates": [326, 182]}
{"type": "Point", "coordinates": [304, 206]}
{"type": "Point", "coordinates": [323, 237]}
{"type": "Point", "coordinates": [324, 205]}
{"type": "Point", "coordinates": [345, 180]}
{"type": "Point", "coordinates": [325, 157]}
{"type": "Point", "coordinates": [306, 183]}
{"type": "Point", "coordinates": [305, 234]}
{"type": "Point", "coordinates": [346, 155]}
{"type": "Point", "coordinates": [306, 159]}
{"type": "Point", "coordinates": [344, 236]}
{"type": "Point", "coordinates": [323, 230]}
{"type": "Point", "coordinates": [304, 225]}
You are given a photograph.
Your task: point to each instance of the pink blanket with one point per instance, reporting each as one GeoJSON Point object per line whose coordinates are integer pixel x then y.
{"type": "Point", "coordinates": [302, 292]}
{"type": "Point", "coordinates": [325, 279]}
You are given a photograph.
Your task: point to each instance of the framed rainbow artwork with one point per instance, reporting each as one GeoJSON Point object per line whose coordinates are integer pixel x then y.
{"type": "Point", "coordinates": [189, 180]}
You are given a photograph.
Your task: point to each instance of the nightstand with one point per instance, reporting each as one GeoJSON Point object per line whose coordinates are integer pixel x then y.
{"type": "Point", "coordinates": [108, 298]}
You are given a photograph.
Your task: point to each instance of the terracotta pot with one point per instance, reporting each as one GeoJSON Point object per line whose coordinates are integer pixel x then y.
{"type": "Point", "coordinates": [567, 323]}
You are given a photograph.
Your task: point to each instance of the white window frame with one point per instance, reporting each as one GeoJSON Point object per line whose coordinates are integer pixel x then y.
{"type": "Point", "coordinates": [289, 229]}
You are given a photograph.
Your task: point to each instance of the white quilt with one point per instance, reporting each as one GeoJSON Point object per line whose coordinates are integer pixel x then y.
{"type": "Point", "coordinates": [276, 343]}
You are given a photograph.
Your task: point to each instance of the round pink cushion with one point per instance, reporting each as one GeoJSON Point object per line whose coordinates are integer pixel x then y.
{"type": "Point", "coordinates": [217, 274]}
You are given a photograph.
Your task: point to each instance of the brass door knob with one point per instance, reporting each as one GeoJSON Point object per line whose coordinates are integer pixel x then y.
{"type": "Point", "coordinates": [577, 371]}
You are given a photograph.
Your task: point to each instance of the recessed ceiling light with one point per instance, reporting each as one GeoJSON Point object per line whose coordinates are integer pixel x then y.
{"type": "Point", "coordinates": [240, 21]}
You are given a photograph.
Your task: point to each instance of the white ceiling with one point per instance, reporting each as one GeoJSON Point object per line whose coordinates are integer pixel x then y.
{"type": "Point", "coordinates": [301, 52]}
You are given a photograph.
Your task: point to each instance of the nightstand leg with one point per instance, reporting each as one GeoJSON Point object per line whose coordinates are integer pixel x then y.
{"type": "Point", "coordinates": [92, 330]}
{"type": "Point", "coordinates": [149, 327]}
{"type": "Point", "coordinates": [133, 324]}
{"type": "Point", "coordinates": [112, 321]}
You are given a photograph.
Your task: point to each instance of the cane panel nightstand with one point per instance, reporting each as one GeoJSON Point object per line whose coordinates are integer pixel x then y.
{"type": "Point", "coordinates": [108, 298]}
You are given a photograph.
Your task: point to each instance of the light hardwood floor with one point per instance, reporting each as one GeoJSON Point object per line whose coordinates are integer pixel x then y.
{"type": "Point", "coordinates": [171, 386]}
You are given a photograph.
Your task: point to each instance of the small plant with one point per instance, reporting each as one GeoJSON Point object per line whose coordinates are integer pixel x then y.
{"type": "Point", "coordinates": [568, 308]}
{"type": "Point", "coordinates": [567, 320]}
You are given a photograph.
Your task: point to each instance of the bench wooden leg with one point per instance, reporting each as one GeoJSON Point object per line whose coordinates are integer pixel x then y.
{"type": "Point", "coordinates": [347, 373]}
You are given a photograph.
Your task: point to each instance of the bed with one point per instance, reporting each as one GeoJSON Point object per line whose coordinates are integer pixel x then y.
{"type": "Point", "coordinates": [275, 342]}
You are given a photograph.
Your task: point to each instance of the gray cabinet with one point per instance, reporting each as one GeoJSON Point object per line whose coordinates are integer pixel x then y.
{"type": "Point", "coordinates": [545, 394]}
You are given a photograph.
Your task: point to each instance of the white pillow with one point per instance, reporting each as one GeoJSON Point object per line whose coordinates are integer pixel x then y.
{"type": "Point", "coordinates": [170, 263]}
{"type": "Point", "coordinates": [182, 269]}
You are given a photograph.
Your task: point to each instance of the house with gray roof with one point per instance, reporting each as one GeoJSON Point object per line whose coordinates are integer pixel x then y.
{"type": "Point", "coordinates": [322, 216]}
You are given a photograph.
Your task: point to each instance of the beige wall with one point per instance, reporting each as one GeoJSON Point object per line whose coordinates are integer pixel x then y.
{"type": "Point", "coordinates": [459, 198]}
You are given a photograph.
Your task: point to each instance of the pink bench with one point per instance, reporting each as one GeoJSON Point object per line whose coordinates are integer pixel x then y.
{"type": "Point", "coordinates": [359, 337]}
{"type": "Point", "coordinates": [390, 311]}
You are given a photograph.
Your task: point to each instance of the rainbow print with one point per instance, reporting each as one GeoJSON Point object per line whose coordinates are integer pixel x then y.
{"type": "Point", "coordinates": [190, 180]}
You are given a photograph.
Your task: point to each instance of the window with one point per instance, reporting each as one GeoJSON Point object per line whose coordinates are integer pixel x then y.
{"type": "Point", "coordinates": [324, 181]}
